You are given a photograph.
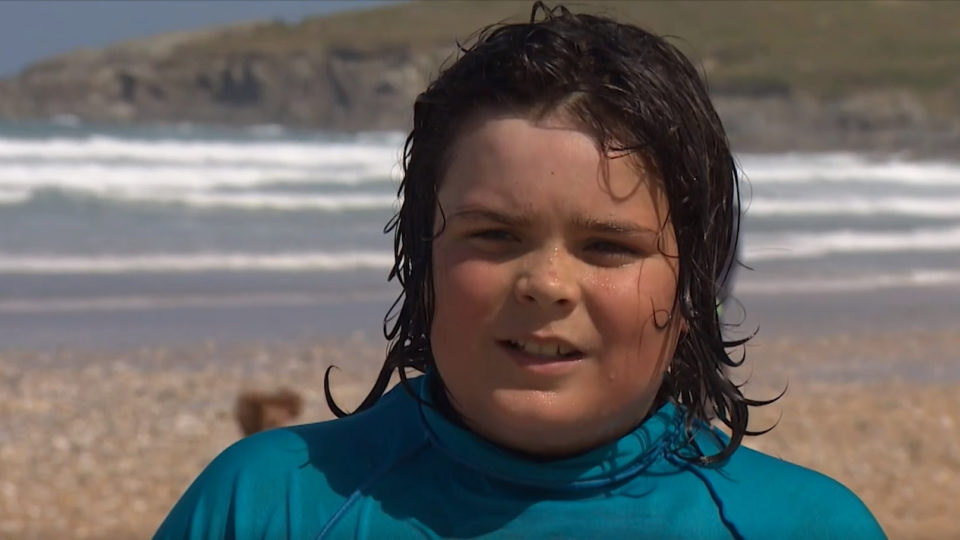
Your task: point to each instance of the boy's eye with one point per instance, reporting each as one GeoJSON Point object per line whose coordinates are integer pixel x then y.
{"type": "Point", "coordinates": [494, 235]}
{"type": "Point", "coordinates": [611, 248]}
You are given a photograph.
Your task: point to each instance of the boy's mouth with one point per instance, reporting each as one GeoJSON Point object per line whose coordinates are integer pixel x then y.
{"type": "Point", "coordinates": [549, 350]}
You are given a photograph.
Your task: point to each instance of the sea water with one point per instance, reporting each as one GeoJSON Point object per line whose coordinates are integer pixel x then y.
{"type": "Point", "coordinates": [144, 234]}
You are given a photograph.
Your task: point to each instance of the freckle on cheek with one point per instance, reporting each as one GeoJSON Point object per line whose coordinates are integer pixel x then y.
{"type": "Point", "coordinates": [604, 284]}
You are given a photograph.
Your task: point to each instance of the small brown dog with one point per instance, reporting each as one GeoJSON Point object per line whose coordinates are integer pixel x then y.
{"type": "Point", "coordinates": [257, 411]}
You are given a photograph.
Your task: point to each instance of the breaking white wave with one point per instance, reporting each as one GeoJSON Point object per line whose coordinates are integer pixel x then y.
{"type": "Point", "coordinates": [105, 166]}
{"type": "Point", "coordinates": [814, 245]}
{"type": "Point", "coordinates": [104, 178]}
{"type": "Point", "coordinates": [272, 201]}
{"type": "Point", "coordinates": [859, 283]}
{"type": "Point", "coordinates": [200, 262]}
{"type": "Point", "coordinates": [281, 153]}
{"type": "Point", "coordinates": [845, 167]}
{"type": "Point", "coordinates": [144, 302]}
{"type": "Point", "coordinates": [259, 201]}
{"type": "Point", "coordinates": [246, 200]}
{"type": "Point", "coordinates": [9, 197]}
{"type": "Point", "coordinates": [932, 207]}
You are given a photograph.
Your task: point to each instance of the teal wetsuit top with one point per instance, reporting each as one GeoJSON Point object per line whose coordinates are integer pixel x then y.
{"type": "Point", "coordinates": [402, 470]}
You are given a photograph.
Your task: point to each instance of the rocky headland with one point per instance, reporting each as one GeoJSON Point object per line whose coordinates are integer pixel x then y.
{"type": "Point", "coordinates": [362, 70]}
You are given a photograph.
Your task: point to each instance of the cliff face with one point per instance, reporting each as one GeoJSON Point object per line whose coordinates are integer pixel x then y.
{"type": "Point", "coordinates": [881, 121]}
{"type": "Point", "coordinates": [175, 77]}
{"type": "Point", "coordinates": [167, 80]}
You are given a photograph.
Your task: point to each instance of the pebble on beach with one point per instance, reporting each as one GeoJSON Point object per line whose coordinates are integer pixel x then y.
{"type": "Point", "coordinates": [101, 445]}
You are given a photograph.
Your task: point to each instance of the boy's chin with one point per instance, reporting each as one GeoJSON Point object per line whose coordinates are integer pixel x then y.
{"type": "Point", "coordinates": [555, 424]}
{"type": "Point", "coordinates": [543, 428]}
{"type": "Point", "coordinates": [550, 445]}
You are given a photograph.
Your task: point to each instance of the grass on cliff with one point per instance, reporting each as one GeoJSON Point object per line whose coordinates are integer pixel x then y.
{"type": "Point", "coordinates": [826, 48]}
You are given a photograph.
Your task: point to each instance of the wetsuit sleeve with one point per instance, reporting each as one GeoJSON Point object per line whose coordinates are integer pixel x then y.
{"type": "Point", "coordinates": [839, 514]}
{"type": "Point", "coordinates": [244, 493]}
{"type": "Point", "coordinates": [765, 497]}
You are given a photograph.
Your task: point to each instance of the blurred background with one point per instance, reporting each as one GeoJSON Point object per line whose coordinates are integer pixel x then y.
{"type": "Point", "coordinates": [193, 196]}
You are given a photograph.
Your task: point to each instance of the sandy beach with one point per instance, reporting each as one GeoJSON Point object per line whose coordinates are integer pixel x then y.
{"type": "Point", "coordinates": [101, 444]}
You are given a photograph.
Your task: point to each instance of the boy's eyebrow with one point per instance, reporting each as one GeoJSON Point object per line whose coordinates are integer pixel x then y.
{"type": "Point", "coordinates": [612, 226]}
{"type": "Point", "coordinates": [592, 224]}
{"type": "Point", "coordinates": [490, 215]}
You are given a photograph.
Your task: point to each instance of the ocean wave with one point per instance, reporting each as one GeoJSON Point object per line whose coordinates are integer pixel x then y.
{"type": "Point", "coordinates": [11, 197]}
{"type": "Point", "coordinates": [858, 283]}
{"type": "Point", "coordinates": [101, 178]}
{"type": "Point", "coordinates": [845, 167]}
{"type": "Point", "coordinates": [271, 201]}
{"type": "Point", "coordinates": [933, 207]}
{"type": "Point", "coordinates": [151, 302]}
{"type": "Point", "coordinates": [815, 245]}
{"type": "Point", "coordinates": [381, 152]}
{"type": "Point", "coordinates": [192, 263]}
{"type": "Point", "coordinates": [267, 130]}
{"type": "Point", "coordinates": [246, 200]}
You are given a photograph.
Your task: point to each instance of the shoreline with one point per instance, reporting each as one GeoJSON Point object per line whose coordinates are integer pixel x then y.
{"type": "Point", "coordinates": [320, 314]}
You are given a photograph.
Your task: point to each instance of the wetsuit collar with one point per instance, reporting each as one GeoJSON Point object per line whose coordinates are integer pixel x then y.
{"type": "Point", "coordinates": [602, 467]}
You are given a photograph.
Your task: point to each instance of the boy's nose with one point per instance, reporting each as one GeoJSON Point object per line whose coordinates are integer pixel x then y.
{"type": "Point", "coordinates": [547, 280]}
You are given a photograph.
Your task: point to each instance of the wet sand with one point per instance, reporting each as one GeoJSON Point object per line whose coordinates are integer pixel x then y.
{"type": "Point", "coordinates": [101, 444]}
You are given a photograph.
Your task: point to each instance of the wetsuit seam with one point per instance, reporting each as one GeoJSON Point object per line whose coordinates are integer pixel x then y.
{"type": "Point", "coordinates": [358, 492]}
{"type": "Point", "coordinates": [717, 500]}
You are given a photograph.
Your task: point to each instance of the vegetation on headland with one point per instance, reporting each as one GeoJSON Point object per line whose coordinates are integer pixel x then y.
{"type": "Point", "coordinates": [824, 48]}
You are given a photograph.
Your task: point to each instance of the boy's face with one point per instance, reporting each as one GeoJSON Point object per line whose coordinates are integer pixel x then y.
{"type": "Point", "coordinates": [555, 278]}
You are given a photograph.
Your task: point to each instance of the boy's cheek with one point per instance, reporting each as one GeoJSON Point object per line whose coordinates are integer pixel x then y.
{"type": "Point", "coordinates": [471, 287]}
{"type": "Point", "coordinates": [457, 265]}
{"type": "Point", "coordinates": [629, 304]}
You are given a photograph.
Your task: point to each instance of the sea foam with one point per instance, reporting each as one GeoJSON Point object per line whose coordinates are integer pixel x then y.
{"type": "Point", "coordinates": [811, 245]}
{"type": "Point", "coordinates": [198, 262]}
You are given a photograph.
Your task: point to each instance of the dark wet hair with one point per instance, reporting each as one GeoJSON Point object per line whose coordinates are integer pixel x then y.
{"type": "Point", "coordinates": [634, 92]}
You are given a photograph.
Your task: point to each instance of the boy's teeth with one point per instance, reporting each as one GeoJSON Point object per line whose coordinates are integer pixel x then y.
{"type": "Point", "coordinates": [543, 349]}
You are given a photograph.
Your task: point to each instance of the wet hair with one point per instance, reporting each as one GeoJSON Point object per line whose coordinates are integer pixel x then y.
{"type": "Point", "coordinates": [634, 93]}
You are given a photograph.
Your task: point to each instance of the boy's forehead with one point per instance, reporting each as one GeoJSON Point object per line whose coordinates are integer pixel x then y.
{"type": "Point", "coordinates": [515, 166]}
{"type": "Point", "coordinates": [493, 142]}
{"type": "Point", "coordinates": [507, 134]}
{"type": "Point", "coordinates": [614, 186]}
